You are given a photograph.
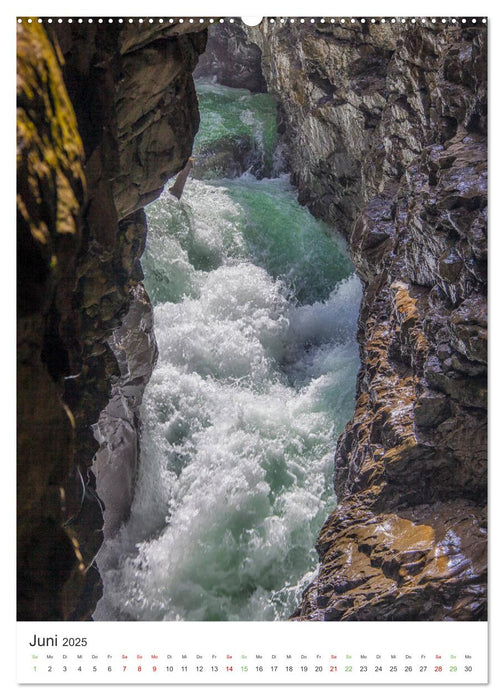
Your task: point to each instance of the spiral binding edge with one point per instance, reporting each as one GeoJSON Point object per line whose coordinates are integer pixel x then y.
{"type": "Point", "coordinates": [421, 21]}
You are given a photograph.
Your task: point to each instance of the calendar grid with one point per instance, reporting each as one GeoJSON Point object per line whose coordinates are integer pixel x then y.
{"type": "Point", "coordinates": [238, 653]}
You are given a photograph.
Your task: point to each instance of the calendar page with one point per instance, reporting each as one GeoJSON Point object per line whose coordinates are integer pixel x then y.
{"type": "Point", "coordinates": [251, 348]}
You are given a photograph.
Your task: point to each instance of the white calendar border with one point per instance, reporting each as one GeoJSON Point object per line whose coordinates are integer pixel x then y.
{"type": "Point", "coordinates": [245, 8]}
{"type": "Point", "coordinates": [340, 653]}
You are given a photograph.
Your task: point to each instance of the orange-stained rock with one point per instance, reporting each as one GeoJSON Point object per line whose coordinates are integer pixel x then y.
{"type": "Point", "coordinates": [386, 134]}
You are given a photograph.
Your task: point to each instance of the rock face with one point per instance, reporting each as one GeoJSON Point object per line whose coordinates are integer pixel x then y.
{"type": "Point", "coordinates": [51, 190]}
{"type": "Point", "coordinates": [230, 158]}
{"type": "Point", "coordinates": [231, 58]}
{"type": "Point", "coordinates": [105, 117]}
{"type": "Point", "coordinates": [117, 431]}
{"type": "Point", "coordinates": [386, 127]}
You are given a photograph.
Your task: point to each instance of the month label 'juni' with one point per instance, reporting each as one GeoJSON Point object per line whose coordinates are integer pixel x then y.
{"type": "Point", "coordinates": [209, 652]}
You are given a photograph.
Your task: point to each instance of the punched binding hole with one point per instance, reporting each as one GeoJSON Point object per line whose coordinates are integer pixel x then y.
{"type": "Point", "coordinates": [251, 21]}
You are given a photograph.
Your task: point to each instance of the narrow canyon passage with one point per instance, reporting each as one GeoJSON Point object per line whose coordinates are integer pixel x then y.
{"type": "Point", "coordinates": [255, 307]}
{"type": "Point", "coordinates": [382, 127]}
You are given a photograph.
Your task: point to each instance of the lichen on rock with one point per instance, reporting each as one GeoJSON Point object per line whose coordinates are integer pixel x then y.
{"type": "Point", "coordinates": [50, 198]}
{"type": "Point", "coordinates": [104, 119]}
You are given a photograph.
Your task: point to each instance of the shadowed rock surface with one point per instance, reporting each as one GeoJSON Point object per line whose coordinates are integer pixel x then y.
{"type": "Point", "coordinates": [231, 58]}
{"type": "Point", "coordinates": [111, 112]}
{"type": "Point", "coordinates": [50, 198]}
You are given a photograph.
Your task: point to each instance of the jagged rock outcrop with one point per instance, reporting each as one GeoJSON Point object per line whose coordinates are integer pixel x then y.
{"type": "Point", "coordinates": [231, 58]}
{"type": "Point", "coordinates": [105, 117]}
{"type": "Point", "coordinates": [230, 158]}
{"type": "Point", "coordinates": [386, 127]}
{"type": "Point", "coordinates": [118, 428]}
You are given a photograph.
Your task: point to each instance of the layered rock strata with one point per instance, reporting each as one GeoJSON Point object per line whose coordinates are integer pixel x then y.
{"type": "Point", "coordinates": [231, 58]}
{"type": "Point", "coordinates": [106, 114]}
{"type": "Point", "coordinates": [386, 127]}
{"type": "Point", "coordinates": [118, 428]}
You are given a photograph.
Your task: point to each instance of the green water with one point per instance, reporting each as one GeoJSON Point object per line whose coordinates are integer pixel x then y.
{"type": "Point", "coordinates": [256, 310]}
{"type": "Point", "coordinates": [256, 219]}
{"type": "Point", "coordinates": [228, 113]}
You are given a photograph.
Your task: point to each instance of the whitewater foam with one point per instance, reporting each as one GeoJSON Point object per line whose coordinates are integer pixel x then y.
{"type": "Point", "coordinates": [255, 310]}
{"type": "Point", "coordinates": [240, 418]}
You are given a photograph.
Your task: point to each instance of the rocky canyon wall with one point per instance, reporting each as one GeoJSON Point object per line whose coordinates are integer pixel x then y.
{"type": "Point", "coordinates": [106, 114]}
{"type": "Point", "coordinates": [386, 134]}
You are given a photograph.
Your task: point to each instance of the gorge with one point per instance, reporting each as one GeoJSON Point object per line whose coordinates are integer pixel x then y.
{"type": "Point", "coordinates": [255, 309]}
{"type": "Point", "coordinates": [383, 131]}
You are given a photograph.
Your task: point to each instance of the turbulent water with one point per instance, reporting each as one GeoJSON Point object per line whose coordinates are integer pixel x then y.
{"type": "Point", "coordinates": [232, 114]}
{"type": "Point", "coordinates": [255, 316]}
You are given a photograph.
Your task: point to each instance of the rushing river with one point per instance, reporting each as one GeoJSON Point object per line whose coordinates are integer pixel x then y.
{"type": "Point", "coordinates": [255, 314]}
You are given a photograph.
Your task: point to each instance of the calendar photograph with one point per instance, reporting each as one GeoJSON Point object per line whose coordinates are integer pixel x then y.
{"type": "Point", "coordinates": [251, 319]}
